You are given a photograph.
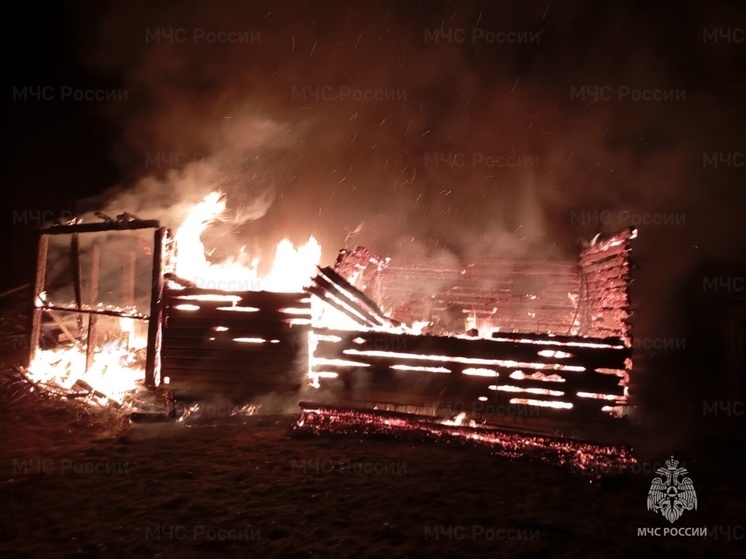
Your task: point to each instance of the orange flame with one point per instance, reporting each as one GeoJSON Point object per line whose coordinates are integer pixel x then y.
{"type": "Point", "coordinates": [291, 269]}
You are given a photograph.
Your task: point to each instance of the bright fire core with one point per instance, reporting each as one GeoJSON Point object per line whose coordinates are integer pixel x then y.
{"type": "Point", "coordinates": [291, 269]}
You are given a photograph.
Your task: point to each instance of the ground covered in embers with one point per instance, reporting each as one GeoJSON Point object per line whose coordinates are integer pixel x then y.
{"type": "Point", "coordinates": [79, 483]}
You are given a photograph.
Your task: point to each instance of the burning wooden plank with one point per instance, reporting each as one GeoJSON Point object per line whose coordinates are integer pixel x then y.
{"type": "Point", "coordinates": [100, 227]}
{"type": "Point", "coordinates": [333, 289]}
{"type": "Point", "coordinates": [350, 264]}
{"type": "Point", "coordinates": [562, 372]}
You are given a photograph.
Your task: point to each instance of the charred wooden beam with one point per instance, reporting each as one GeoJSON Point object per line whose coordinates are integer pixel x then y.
{"type": "Point", "coordinates": [128, 279]}
{"type": "Point", "coordinates": [355, 261]}
{"type": "Point", "coordinates": [99, 227]}
{"type": "Point", "coordinates": [35, 315]}
{"type": "Point", "coordinates": [75, 265]}
{"type": "Point", "coordinates": [152, 361]}
{"type": "Point", "coordinates": [250, 298]}
{"type": "Point", "coordinates": [96, 311]}
{"type": "Point", "coordinates": [178, 280]}
{"type": "Point", "coordinates": [605, 273]}
{"type": "Point", "coordinates": [240, 344]}
{"type": "Point", "coordinates": [65, 330]}
{"type": "Point", "coordinates": [333, 301]}
{"type": "Point", "coordinates": [565, 371]}
{"type": "Point", "coordinates": [93, 298]}
{"type": "Point", "coordinates": [333, 289]}
{"type": "Point", "coordinates": [341, 283]}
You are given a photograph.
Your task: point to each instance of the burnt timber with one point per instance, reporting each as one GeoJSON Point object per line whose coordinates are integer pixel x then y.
{"type": "Point", "coordinates": [559, 345]}
{"type": "Point", "coordinates": [559, 348]}
{"type": "Point", "coordinates": [554, 337]}
{"type": "Point", "coordinates": [473, 375]}
{"type": "Point", "coordinates": [585, 297]}
{"type": "Point", "coordinates": [239, 344]}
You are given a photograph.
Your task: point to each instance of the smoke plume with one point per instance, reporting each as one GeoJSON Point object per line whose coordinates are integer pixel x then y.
{"type": "Point", "coordinates": [375, 124]}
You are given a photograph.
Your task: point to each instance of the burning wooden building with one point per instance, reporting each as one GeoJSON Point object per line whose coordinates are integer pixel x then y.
{"type": "Point", "coordinates": [498, 340]}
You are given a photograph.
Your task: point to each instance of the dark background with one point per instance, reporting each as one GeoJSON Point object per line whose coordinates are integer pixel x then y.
{"type": "Point", "coordinates": [198, 116]}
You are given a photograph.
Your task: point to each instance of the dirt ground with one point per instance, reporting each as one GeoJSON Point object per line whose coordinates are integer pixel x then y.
{"type": "Point", "coordinates": [79, 484]}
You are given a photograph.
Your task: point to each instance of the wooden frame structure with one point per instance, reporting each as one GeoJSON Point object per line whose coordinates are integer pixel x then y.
{"type": "Point", "coordinates": [92, 310]}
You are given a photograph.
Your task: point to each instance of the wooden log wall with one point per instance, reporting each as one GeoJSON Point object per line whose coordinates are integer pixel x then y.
{"type": "Point", "coordinates": [512, 295]}
{"type": "Point", "coordinates": [584, 376]}
{"type": "Point", "coordinates": [562, 345]}
{"type": "Point", "coordinates": [242, 344]}
{"type": "Point", "coordinates": [605, 271]}
{"type": "Point", "coordinates": [587, 297]}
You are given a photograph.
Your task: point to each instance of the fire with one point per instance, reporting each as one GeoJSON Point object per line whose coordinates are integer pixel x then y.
{"type": "Point", "coordinates": [109, 364]}
{"type": "Point", "coordinates": [456, 421]}
{"type": "Point", "coordinates": [291, 269]}
{"type": "Point", "coordinates": [113, 372]}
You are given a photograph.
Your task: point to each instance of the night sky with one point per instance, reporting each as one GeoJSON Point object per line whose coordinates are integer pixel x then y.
{"type": "Point", "coordinates": [428, 129]}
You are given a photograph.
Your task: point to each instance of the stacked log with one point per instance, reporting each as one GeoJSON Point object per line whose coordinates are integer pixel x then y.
{"type": "Point", "coordinates": [605, 272]}
{"type": "Point", "coordinates": [564, 375]}
{"type": "Point", "coordinates": [509, 295]}
{"type": "Point", "coordinates": [331, 288]}
{"type": "Point", "coordinates": [242, 344]}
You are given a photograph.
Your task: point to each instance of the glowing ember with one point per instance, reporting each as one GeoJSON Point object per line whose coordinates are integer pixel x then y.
{"type": "Point", "coordinates": [456, 421]}
{"type": "Point", "coordinates": [556, 354]}
{"type": "Point", "coordinates": [552, 342]}
{"type": "Point", "coordinates": [509, 388]}
{"type": "Point", "coordinates": [480, 372]}
{"type": "Point", "coordinates": [295, 311]}
{"type": "Point", "coordinates": [580, 456]}
{"type": "Point", "coordinates": [597, 396]}
{"type": "Point", "coordinates": [467, 360]}
{"type": "Point", "coordinates": [326, 338]}
{"type": "Point", "coordinates": [195, 412]}
{"type": "Point", "coordinates": [420, 369]}
{"type": "Point", "coordinates": [211, 297]}
{"type": "Point", "coordinates": [542, 403]}
{"type": "Point", "coordinates": [520, 375]}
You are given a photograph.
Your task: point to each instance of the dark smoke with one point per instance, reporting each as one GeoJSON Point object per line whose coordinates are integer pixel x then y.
{"type": "Point", "coordinates": [377, 173]}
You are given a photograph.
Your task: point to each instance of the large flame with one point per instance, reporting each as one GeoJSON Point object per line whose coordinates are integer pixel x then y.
{"type": "Point", "coordinates": [113, 370]}
{"type": "Point", "coordinates": [291, 269]}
